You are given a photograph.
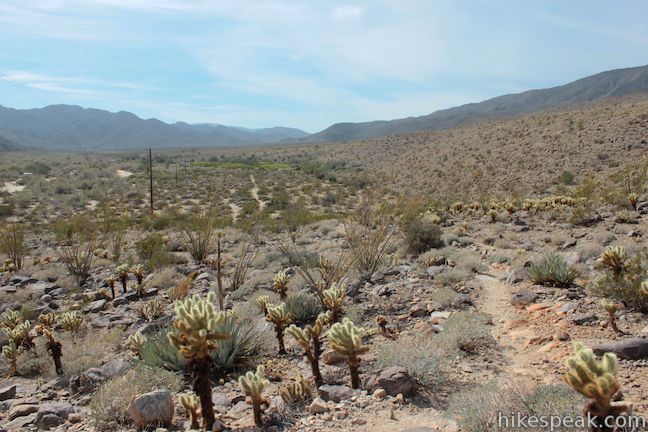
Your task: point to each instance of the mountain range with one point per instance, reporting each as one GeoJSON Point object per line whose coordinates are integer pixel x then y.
{"type": "Point", "coordinates": [68, 127]}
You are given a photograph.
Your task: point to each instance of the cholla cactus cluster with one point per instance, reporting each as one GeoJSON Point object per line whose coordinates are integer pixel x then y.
{"type": "Point", "coordinates": [11, 352]}
{"type": "Point", "coordinates": [19, 334]}
{"type": "Point", "coordinates": [278, 316]}
{"type": "Point", "coordinates": [614, 258]}
{"type": "Point", "coordinates": [346, 339]}
{"type": "Point", "coordinates": [138, 272]}
{"type": "Point", "coordinates": [191, 403]}
{"type": "Point", "coordinates": [253, 385]}
{"type": "Point", "coordinates": [555, 202]}
{"type": "Point", "coordinates": [334, 299]}
{"type": "Point", "coordinates": [195, 337]}
{"type": "Point", "coordinates": [309, 339]}
{"type": "Point", "coordinates": [297, 392]}
{"type": "Point", "coordinates": [280, 284]}
{"type": "Point", "coordinates": [136, 342]}
{"type": "Point", "coordinates": [45, 322]}
{"type": "Point", "coordinates": [71, 321]}
{"type": "Point", "coordinates": [596, 381]}
{"type": "Point", "coordinates": [152, 309]}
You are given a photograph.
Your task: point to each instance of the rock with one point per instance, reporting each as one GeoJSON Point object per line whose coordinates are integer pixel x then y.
{"type": "Point", "coordinates": [21, 410]}
{"type": "Point", "coordinates": [20, 423]}
{"type": "Point", "coordinates": [45, 287]}
{"type": "Point", "coordinates": [335, 393]}
{"type": "Point", "coordinates": [22, 281]}
{"type": "Point", "coordinates": [517, 275]}
{"type": "Point", "coordinates": [52, 414]}
{"type": "Point", "coordinates": [46, 298]}
{"type": "Point", "coordinates": [536, 307]}
{"type": "Point", "coordinates": [8, 392]}
{"type": "Point", "coordinates": [568, 307]}
{"type": "Point", "coordinates": [58, 292]}
{"type": "Point", "coordinates": [418, 311]}
{"type": "Point", "coordinates": [434, 270]}
{"type": "Point", "coordinates": [204, 276]}
{"type": "Point", "coordinates": [97, 306]}
{"type": "Point", "coordinates": [380, 393]}
{"type": "Point", "coordinates": [8, 289]}
{"type": "Point", "coordinates": [383, 290]}
{"type": "Point", "coordinates": [569, 243]}
{"type": "Point", "coordinates": [239, 409]}
{"type": "Point", "coordinates": [120, 301]}
{"type": "Point", "coordinates": [393, 380]}
{"type": "Point", "coordinates": [318, 406]}
{"type": "Point", "coordinates": [220, 400]}
{"type": "Point", "coordinates": [629, 349]}
{"type": "Point", "coordinates": [584, 319]}
{"type": "Point", "coordinates": [91, 378]}
{"type": "Point", "coordinates": [420, 429]}
{"type": "Point", "coordinates": [331, 357]}
{"type": "Point", "coordinates": [572, 258]}
{"type": "Point", "coordinates": [524, 298]}
{"type": "Point", "coordinates": [152, 409]}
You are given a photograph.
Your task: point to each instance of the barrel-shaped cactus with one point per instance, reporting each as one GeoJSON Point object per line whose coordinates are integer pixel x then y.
{"type": "Point", "coordinates": [334, 299]}
{"type": "Point", "coordinates": [195, 337]}
{"type": "Point", "coordinates": [253, 384]}
{"type": "Point", "coordinates": [191, 404]}
{"type": "Point", "coordinates": [346, 339]}
{"type": "Point", "coordinates": [309, 339]}
{"type": "Point", "coordinates": [280, 284]}
{"type": "Point", "coordinates": [278, 316]}
{"type": "Point", "coordinates": [596, 381]}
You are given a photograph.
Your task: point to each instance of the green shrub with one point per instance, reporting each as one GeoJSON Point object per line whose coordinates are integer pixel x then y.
{"type": "Point", "coordinates": [553, 270]}
{"type": "Point", "coordinates": [38, 168]}
{"type": "Point", "coordinates": [154, 251]}
{"type": "Point", "coordinates": [423, 358]}
{"type": "Point", "coordinates": [567, 178]}
{"type": "Point", "coordinates": [624, 285]}
{"type": "Point", "coordinates": [466, 332]}
{"type": "Point", "coordinates": [422, 235]}
{"type": "Point", "coordinates": [303, 307]}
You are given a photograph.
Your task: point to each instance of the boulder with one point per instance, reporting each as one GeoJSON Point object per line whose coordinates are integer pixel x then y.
{"type": "Point", "coordinates": [335, 393]}
{"type": "Point", "coordinates": [331, 357]}
{"type": "Point", "coordinates": [524, 298]}
{"type": "Point", "coordinates": [97, 306]}
{"type": "Point", "coordinates": [8, 392]}
{"type": "Point", "coordinates": [318, 406]}
{"type": "Point", "coordinates": [152, 409]}
{"type": "Point", "coordinates": [629, 349]}
{"type": "Point", "coordinates": [53, 414]}
{"type": "Point", "coordinates": [394, 380]}
{"type": "Point", "coordinates": [517, 275]}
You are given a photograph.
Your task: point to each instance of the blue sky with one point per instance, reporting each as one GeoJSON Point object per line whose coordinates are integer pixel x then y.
{"type": "Point", "coordinates": [302, 63]}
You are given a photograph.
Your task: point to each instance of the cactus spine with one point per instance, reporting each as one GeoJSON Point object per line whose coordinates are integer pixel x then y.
{"type": "Point", "coordinates": [253, 385]}
{"type": "Point", "coordinates": [195, 337]}
{"type": "Point", "coordinates": [346, 339]}
{"type": "Point", "coordinates": [280, 285]}
{"type": "Point", "coordinates": [309, 340]}
{"type": "Point", "coordinates": [191, 404]}
{"type": "Point", "coordinates": [333, 300]}
{"type": "Point", "coordinates": [597, 381]}
{"type": "Point", "coordinates": [278, 316]}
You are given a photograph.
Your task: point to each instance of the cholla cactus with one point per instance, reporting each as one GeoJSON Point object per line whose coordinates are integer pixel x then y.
{"type": "Point", "coordinates": [309, 340]}
{"type": "Point", "coordinates": [55, 349]}
{"type": "Point", "coordinates": [152, 309]}
{"type": "Point", "coordinates": [20, 334]}
{"type": "Point", "coordinates": [11, 318]}
{"type": "Point", "coordinates": [195, 337]}
{"type": "Point", "coordinates": [11, 352]}
{"type": "Point", "coordinates": [121, 272]}
{"type": "Point", "coordinates": [138, 271]}
{"type": "Point", "coordinates": [597, 381]}
{"type": "Point", "coordinates": [262, 302]}
{"type": "Point", "coordinates": [296, 392]}
{"type": "Point", "coordinates": [253, 385]}
{"type": "Point", "coordinates": [136, 342]}
{"type": "Point", "coordinates": [381, 321]}
{"type": "Point", "coordinates": [346, 339]}
{"type": "Point", "coordinates": [71, 321]}
{"type": "Point", "coordinates": [633, 199]}
{"type": "Point", "coordinates": [333, 300]}
{"type": "Point", "coordinates": [280, 284]}
{"type": "Point", "coordinates": [615, 258]}
{"type": "Point", "coordinates": [110, 281]}
{"type": "Point", "coordinates": [492, 215]}
{"type": "Point", "coordinates": [45, 322]}
{"type": "Point", "coordinates": [643, 289]}
{"type": "Point", "coordinates": [611, 310]}
{"type": "Point", "coordinates": [191, 404]}
{"type": "Point", "coordinates": [102, 293]}
{"type": "Point", "coordinates": [278, 316]}
{"type": "Point", "coordinates": [456, 208]}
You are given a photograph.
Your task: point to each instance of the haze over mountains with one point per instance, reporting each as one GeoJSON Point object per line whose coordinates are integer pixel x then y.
{"type": "Point", "coordinates": [66, 127]}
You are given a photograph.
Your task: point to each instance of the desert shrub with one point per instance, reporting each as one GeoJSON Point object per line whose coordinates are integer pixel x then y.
{"type": "Point", "coordinates": [304, 307]}
{"type": "Point", "coordinates": [199, 236]}
{"type": "Point", "coordinates": [38, 168]}
{"type": "Point", "coordinates": [109, 404]}
{"type": "Point", "coordinates": [467, 332]}
{"type": "Point", "coordinates": [567, 178]}
{"type": "Point", "coordinates": [477, 409]}
{"type": "Point", "coordinates": [445, 297]}
{"type": "Point", "coordinates": [553, 270]}
{"type": "Point", "coordinates": [452, 276]}
{"type": "Point", "coordinates": [242, 265]}
{"type": "Point", "coordinates": [164, 278]}
{"type": "Point", "coordinates": [423, 358]}
{"type": "Point", "coordinates": [154, 251]}
{"type": "Point", "coordinates": [84, 351]}
{"type": "Point", "coordinates": [12, 244]}
{"type": "Point", "coordinates": [422, 235]}
{"type": "Point", "coordinates": [79, 257]}
{"type": "Point", "coordinates": [623, 284]}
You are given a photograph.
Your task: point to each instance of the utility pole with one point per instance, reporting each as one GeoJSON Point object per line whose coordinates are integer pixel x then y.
{"type": "Point", "coordinates": [151, 177]}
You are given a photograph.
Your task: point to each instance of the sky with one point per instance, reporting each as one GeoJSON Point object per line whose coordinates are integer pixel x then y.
{"type": "Point", "coordinates": [300, 63]}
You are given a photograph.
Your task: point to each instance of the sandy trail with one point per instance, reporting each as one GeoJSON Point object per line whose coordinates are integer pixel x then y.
{"type": "Point", "coordinates": [255, 193]}
{"type": "Point", "coordinates": [12, 187]}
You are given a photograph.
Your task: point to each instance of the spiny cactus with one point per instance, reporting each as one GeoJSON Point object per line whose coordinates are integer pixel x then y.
{"type": "Point", "coordinates": [46, 321]}
{"type": "Point", "coordinates": [381, 321]}
{"type": "Point", "coordinates": [110, 281]}
{"type": "Point", "coordinates": [596, 381]}
{"type": "Point", "coordinates": [55, 349]}
{"type": "Point", "coordinates": [278, 316]}
{"type": "Point", "coordinates": [633, 199]}
{"type": "Point", "coordinates": [20, 334]}
{"type": "Point", "coordinates": [191, 404]}
{"type": "Point", "coordinates": [280, 284]}
{"type": "Point", "coordinates": [253, 385]}
{"type": "Point", "coordinates": [297, 392]}
{"type": "Point", "coordinates": [615, 258]}
{"type": "Point", "coordinates": [121, 272]}
{"type": "Point", "coordinates": [151, 309]}
{"type": "Point", "coordinates": [195, 337]}
{"type": "Point", "coordinates": [333, 300]}
{"type": "Point", "coordinates": [10, 352]}
{"type": "Point", "coordinates": [346, 339]}
{"type": "Point", "coordinates": [611, 309]}
{"type": "Point", "coordinates": [309, 340]}
{"type": "Point", "coordinates": [138, 271]}
{"type": "Point", "coordinates": [11, 318]}
{"type": "Point", "coordinates": [71, 321]}
{"type": "Point", "coordinates": [136, 342]}
{"type": "Point", "coordinates": [262, 302]}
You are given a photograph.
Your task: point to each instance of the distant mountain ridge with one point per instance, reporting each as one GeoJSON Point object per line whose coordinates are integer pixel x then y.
{"type": "Point", "coordinates": [618, 82]}
{"type": "Point", "coordinates": [71, 127]}
{"type": "Point", "coordinates": [7, 145]}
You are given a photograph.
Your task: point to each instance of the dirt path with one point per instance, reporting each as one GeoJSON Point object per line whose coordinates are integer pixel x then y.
{"type": "Point", "coordinates": [255, 193]}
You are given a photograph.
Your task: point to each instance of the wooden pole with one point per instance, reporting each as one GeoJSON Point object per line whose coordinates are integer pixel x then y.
{"type": "Point", "coordinates": [151, 177]}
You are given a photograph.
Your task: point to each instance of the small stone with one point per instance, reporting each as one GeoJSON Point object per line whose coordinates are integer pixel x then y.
{"type": "Point", "coordinates": [7, 393]}
{"type": "Point", "coordinates": [568, 307]}
{"type": "Point", "coordinates": [332, 357]}
{"type": "Point", "coordinates": [335, 393]}
{"type": "Point", "coordinates": [97, 305]}
{"type": "Point", "coordinates": [517, 275]}
{"type": "Point", "coordinates": [524, 298]}
{"type": "Point", "coordinates": [380, 393]}
{"type": "Point", "coordinates": [584, 319]}
{"type": "Point", "coordinates": [318, 406]}
{"type": "Point", "coordinates": [537, 307]}
{"type": "Point", "coordinates": [152, 409]}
